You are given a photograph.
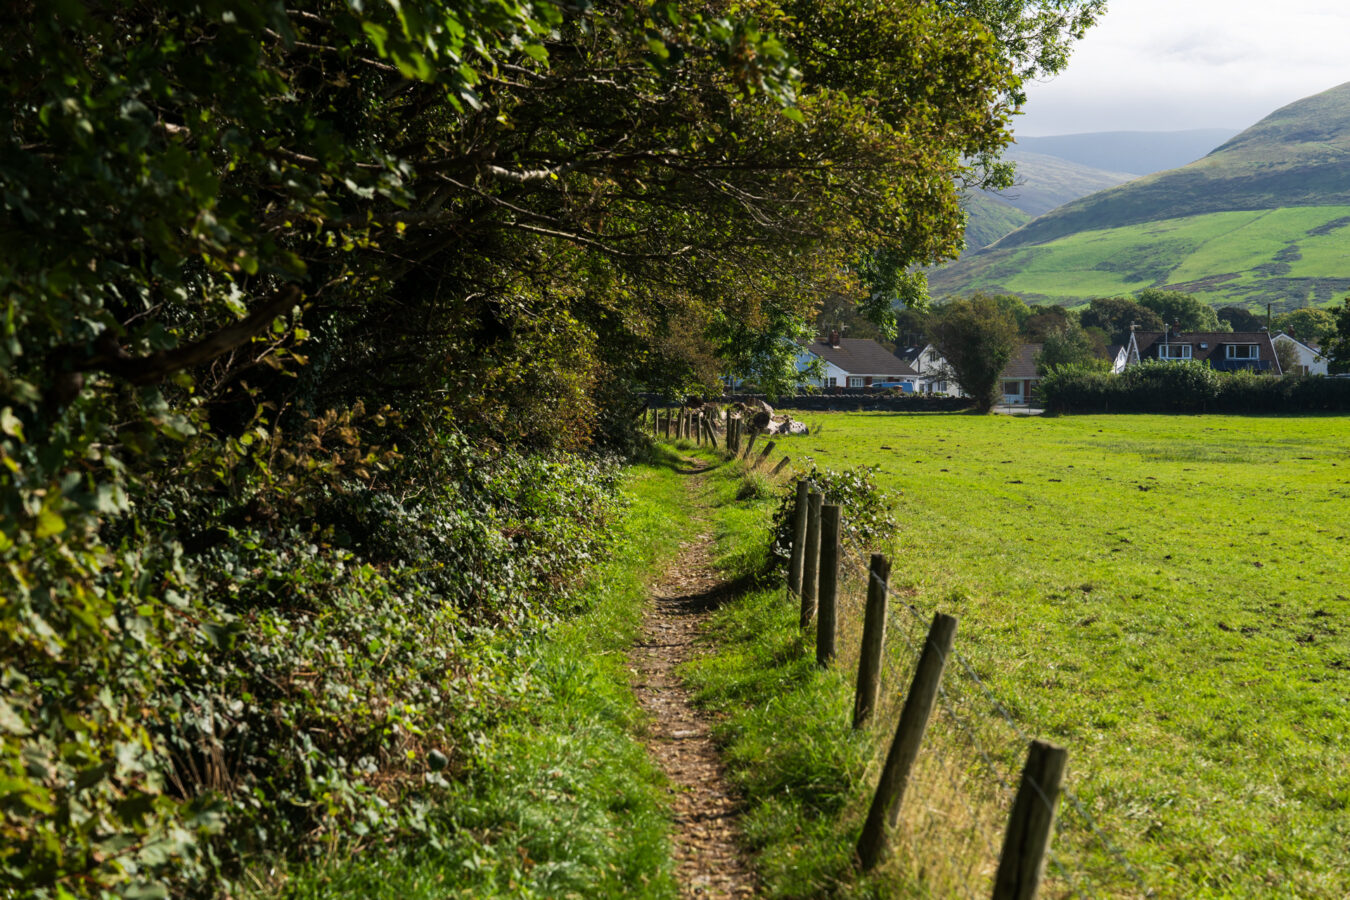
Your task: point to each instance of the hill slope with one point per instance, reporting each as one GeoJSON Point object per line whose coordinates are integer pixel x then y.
{"type": "Point", "coordinates": [1258, 220]}
{"type": "Point", "coordinates": [1043, 183]}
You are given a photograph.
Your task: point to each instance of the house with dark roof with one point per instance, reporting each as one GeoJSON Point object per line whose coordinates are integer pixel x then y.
{"type": "Point", "coordinates": [1019, 377]}
{"type": "Point", "coordinates": [1229, 351]}
{"type": "Point", "coordinates": [855, 363]}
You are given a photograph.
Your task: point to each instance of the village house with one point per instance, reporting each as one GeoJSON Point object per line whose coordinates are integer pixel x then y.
{"type": "Point", "coordinates": [855, 364]}
{"type": "Point", "coordinates": [1310, 359]}
{"type": "Point", "coordinates": [1225, 351]}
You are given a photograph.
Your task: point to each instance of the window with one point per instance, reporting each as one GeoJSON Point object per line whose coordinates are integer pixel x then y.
{"type": "Point", "coordinates": [855, 381]}
{"type": "Point", "coordinates": [1012, 387]}
{"type": "Point", "coordinates": [1243, 351]}
{"type": "Point", "coordinates": [1174, 351]}
{"type": "Point", "coordinates": [832, 381]}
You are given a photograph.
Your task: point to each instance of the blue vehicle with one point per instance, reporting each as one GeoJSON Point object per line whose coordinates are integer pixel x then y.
{"type": "Point", "coordinates": [905, 386]}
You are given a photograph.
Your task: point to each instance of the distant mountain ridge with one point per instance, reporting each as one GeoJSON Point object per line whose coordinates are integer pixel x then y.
{"type": "Point", "coordinates": [1138, 152]}
{"type": "Point", "coordinates": [1262, 218]}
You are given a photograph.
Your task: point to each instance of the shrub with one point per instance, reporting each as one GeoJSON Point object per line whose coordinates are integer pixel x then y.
{"type": "Point", "coordinates": [868, 518]}
{"type": "Point", "coordinates": [1162, 387]}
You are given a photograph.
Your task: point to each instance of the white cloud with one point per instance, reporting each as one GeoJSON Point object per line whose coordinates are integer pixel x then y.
{"type": "Point", "coordinates": [1164, 65]}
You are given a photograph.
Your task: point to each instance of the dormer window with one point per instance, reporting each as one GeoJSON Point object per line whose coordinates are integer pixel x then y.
{"type": "Point", "coordinates": [1243, 351]}
{"type": "Point", "coordinates": [1174, 351]}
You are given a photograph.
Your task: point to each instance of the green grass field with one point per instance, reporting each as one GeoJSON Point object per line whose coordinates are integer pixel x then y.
{"type": "Point", "coordinates": [1169, 598]}
{"type": "Point", "coordinates": [1285, 256]}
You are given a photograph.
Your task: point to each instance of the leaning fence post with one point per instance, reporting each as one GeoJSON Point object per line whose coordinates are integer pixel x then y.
{"type": "Point", "coordinates": [885, 810]}
{"type": "Point", "coordinates": [782, 464]}
{"type": "Point", "coordinates": [759, 460]}
{"type": "Point", "coordinates": [750, 444]}
{"type": "Point", "coordinates": [826, 617]}
{"type": "Point", "coordinates": [873, 641]}
{"type": "Point", "coordinates": [798, 539]}
{"type": "Point", "coordinates": [811, 557]}
{"type": "Point", "coordinates": [1022, 862]}
{"type": "Point", "coordinates": [710, 432]}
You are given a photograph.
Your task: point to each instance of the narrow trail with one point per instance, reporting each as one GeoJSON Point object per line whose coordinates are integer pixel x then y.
{"type": "Point", "coordinates": [710, 861]}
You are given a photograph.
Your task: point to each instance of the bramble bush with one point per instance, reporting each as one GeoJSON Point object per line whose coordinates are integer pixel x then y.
{"type": "Point", "coordinates": [867, 517]}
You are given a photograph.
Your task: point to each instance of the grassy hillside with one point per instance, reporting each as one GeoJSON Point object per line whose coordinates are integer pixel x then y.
{"type": "Point", "coordinates": [1140, 152]}
{"type": "Point", "coordinates": [1297, 156]}
{"type": "Point", "coordinates": [1259, 220]}
{"type": "Point", "coordinates": [990, 218]}
{"type": "Point", "coordinates": [1290, 257]}
{"type": "Point", "coordinates": [1043, 183]}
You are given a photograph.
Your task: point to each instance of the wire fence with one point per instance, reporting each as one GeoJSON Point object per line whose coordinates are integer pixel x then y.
{"type": "Point", "coordinates": [961, 792]}
{"type": "Point", "coordinates": [967, 780]}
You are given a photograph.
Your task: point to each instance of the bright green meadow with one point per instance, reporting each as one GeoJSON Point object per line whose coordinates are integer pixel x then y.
{"type": "Point", "coordinates": [1168, 598]}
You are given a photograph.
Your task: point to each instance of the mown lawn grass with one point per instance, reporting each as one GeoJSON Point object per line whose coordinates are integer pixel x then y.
{"type": "Point", "coordinates": [560, 798]}
{"type": "Point", "coordinates": [1168, 597]}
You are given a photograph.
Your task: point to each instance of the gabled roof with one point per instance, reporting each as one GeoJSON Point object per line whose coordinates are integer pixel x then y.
{"type": "Point", "coordinates": [1022, 363]}
{"type": "Point", "coordinates": [1208, 345]}
{"type": "Point", "coordinates": [861, 356]}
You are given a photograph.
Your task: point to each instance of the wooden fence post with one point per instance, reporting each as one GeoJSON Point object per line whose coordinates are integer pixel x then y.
{"type": "Point", "coordinates": [759, 460]}
{"type": "Point", "coordinates": [873, 641]}
{"type": "Point", "coordinates": [750, 444]}
{"type": "Point", "coordinates": [798, 539]}
{"type": "Point", "coordinates": [1022, 861]}
{"type": "Point", "coordinates": [711, 433]}
{"type": "Point", "coordinates": [827, 597]}
{"type": "Point", "coordinates": [782, 464]}
{"type": "Point", "coordinates": [885, 810]}
{"type": "Point", "coordinates": [811, 557]}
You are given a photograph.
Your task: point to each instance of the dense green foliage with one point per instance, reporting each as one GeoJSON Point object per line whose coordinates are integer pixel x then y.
{"type": "Point", "coordinates": [869, 519]}
{"type": "Point", "coordinates": [1338, 345]}
{"type": "Point", "coordinates": [559, 798]}
{"type": "Point", "coordinates": [1162, 595]}
{"type": "Point", "coordinates": [1158, 386]}
{"type": "Point", "coordinates": [307, 314]}
{"type": "Point", "coordinates": [977, 338]}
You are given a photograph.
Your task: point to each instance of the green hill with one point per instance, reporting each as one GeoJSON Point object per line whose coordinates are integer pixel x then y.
{"type": "Point", "coordinates": [1043, 183]}
{"type": "Point", "coordinates": [990, 218]}
{"type": "Point", "coordinates": [1258, 220]}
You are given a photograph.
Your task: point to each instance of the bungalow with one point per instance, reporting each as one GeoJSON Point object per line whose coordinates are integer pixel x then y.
{"type": "Point", "coordinates": [1310, 359]}
{"type": "Point", "coordinates": [1225, 351]}
{"type": "Point", "coordinates": [855, 363]}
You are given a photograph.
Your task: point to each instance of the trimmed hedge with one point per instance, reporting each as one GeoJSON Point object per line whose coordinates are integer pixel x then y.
{"type": "Point", "coordinates": [1191, 387]}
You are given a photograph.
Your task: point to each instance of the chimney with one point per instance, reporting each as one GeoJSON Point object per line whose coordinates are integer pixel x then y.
{"type": "Point", "coordinates": [834, 338]}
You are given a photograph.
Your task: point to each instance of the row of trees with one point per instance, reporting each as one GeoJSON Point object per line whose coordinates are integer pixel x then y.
{"type": "Point", "coordinates": [301, 305]}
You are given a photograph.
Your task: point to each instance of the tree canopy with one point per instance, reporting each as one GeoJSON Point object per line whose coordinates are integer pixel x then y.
{"type": "Point", "coordinates": [289, 290]}
{"type": "Point", "coordinates": [976, 337]}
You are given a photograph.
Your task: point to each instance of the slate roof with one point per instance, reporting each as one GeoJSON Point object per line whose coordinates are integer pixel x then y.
{"type": "Point", "coordinates": [861, 356]}
{"type": "Point", "coordinates": [1209, 345]}
{"type": "Point", "coordinates": [1022, 364]}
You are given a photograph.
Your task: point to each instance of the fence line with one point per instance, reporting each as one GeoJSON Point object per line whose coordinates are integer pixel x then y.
{"type": "Point", "coordinates": [968, 712]}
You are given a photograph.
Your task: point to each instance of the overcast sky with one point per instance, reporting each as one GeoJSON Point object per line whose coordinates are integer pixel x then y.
{"type": "Point", "coordinates": [1171, 65]}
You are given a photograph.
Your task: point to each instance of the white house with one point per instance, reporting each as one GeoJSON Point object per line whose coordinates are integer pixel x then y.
{"type": "Point", "coordinates": [855, 363]}
{"type": "Point", "coordinates": [1310, 360]}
